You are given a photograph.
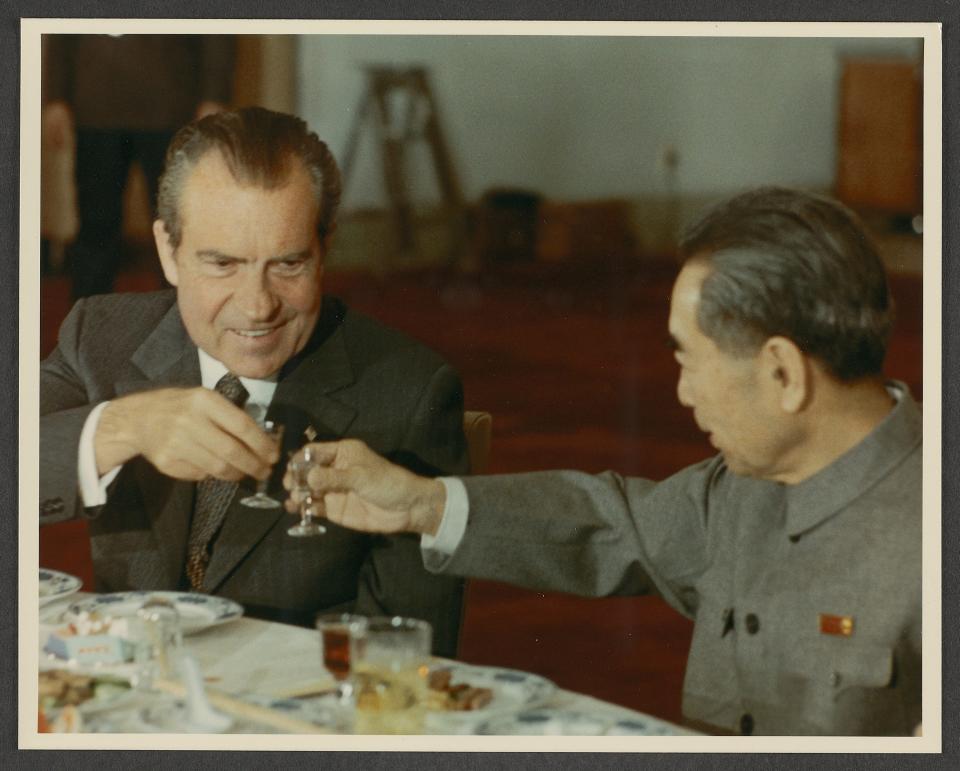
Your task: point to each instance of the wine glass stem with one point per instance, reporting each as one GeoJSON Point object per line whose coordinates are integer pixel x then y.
{"type": "Point", "coordinates": [306, 511]}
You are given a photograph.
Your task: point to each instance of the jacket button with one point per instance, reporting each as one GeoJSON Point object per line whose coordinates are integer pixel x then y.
{"type": "Point", "coordinates": [794, 538]}
{"type": "Point", "coordinates": [752, 623]}
{"type": "Point", "coordinates": [746, 724]}
{"type": "Point", "coordinates": [52, 506]}
{"type": "Point", "coordinates": [835, 679]}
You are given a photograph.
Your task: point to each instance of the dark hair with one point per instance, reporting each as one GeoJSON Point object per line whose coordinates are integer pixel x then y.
{"type": "Point", "coordinates": [258, 146]}
{"type": "Point", "coordinates": [790, 263]}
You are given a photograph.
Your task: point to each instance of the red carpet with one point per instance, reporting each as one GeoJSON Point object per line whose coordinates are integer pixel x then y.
{"type": "Point", "coordinates": [574, 368]}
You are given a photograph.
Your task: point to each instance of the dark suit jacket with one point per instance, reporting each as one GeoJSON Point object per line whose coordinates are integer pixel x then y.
{"type": "Point", "coordinates": [355, 378]}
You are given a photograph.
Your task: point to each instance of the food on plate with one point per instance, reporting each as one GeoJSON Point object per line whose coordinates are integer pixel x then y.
{"type": "Point", "coordinates": [62, 688]}
{"type": "Point", "coordinates": [444, 694]}
{"type": "Point", "coordinates": [91, 639]}
{"type": "Point", "coordinates": [92, 623]}
{"type": "Point", "coordinates": [66, 721]}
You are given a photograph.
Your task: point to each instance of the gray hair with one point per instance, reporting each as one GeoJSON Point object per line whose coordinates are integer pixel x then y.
{"type": "Point", "coordinates": [258, 146]}
{"type": "Point", "coordinates": [794, 264]}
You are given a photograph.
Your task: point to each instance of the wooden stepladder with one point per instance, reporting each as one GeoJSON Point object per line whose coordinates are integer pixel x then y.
{"type": "Point", "coordinates": [404, 111]}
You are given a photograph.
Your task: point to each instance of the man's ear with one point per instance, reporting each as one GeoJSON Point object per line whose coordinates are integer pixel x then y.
{"type": "Point", "coordinates": [168, 260]}
{"type": "Point", "coordinates": [787, 370]}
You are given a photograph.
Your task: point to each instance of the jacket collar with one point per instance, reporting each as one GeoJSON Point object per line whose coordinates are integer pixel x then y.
{"type": "Point", "coordinates": [168, 356]}
{"type": "Point", "coordinates": [835, 487]}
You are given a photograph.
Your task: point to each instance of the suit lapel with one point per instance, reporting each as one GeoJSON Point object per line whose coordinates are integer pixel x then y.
{"type": "Point", "coordinates": [305, 398]}
{"type": "Point", "coordinates": [167, 358]}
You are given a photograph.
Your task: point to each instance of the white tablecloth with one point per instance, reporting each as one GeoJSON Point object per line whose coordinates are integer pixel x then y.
{"type": "Point", "coordinates": [277, 659]}
{"type": "Point", "coordinates": [249, 656]}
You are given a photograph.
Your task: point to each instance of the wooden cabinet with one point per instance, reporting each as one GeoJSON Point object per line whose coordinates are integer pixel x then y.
{"type": "Point", "coordinates": [880, 144]}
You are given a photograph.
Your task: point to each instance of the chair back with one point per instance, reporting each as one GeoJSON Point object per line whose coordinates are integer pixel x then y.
{"type": "Point", "coordinates": [478, 427]}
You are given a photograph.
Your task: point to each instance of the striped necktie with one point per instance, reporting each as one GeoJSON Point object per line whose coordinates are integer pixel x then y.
{"type": "Point", "coordinates": [213, 500]}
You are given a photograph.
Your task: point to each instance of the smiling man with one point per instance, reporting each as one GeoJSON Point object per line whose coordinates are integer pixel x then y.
{"type": "Point", "coordinates": [148, 403]}
{"type": "Point", "coordinates": [796, 549]}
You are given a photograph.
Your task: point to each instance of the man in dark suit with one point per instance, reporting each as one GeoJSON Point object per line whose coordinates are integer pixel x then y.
{"type": "Point", "coordinates": [146, 403]}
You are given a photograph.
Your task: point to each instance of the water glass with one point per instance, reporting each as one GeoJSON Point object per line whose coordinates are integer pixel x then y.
{"type": "Point", "coordinates": [389, 672]}
{"type": "Point", "coordinates": [157, 639]}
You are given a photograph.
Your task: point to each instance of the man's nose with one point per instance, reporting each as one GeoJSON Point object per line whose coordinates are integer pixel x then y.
{"type": "Point", "coordinates": [256, 298]}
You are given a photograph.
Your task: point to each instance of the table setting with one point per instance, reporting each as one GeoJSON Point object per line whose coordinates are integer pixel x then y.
{"type": "Point", "coordinates": [187, 663]}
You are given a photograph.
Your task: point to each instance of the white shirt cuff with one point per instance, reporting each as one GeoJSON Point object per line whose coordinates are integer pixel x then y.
{"type": "Point", "coordinates": [454, 522]}
{"type": "Point", "coordinates": [93, 488]}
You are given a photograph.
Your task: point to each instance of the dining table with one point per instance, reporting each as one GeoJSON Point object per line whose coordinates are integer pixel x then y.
{"type": "Point", "coordinates": [269, 678]}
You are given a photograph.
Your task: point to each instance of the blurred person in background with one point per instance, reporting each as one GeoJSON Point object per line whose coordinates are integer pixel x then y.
{"type": "Point", "coordinates": [125, 96]}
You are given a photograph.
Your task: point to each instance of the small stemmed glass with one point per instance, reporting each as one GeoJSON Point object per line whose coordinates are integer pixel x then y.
{"type": "Point", "coordinates": [299, 468]}
{"type": "Point", "coordinates": [260, 499]}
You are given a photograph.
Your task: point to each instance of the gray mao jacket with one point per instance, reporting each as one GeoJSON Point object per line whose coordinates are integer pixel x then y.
{"type": "Point", "coordinates": [806, 598]}
{"type": "Point", "coordinates": [355, 378]}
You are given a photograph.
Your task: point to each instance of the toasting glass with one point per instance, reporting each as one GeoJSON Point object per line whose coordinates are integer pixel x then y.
{"type": "Point", "coordinates": [260, 499]}
{"type": "Point", "coordinates": [299, 468]}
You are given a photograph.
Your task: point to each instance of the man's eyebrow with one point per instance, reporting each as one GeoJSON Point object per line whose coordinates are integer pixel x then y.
{"type": "Point", "coordinates": [303, 254]}
{"type": "Point", "coordinates": [216, 254]}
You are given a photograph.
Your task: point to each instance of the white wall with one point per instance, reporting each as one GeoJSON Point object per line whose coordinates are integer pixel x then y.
{"type": "Point", "coordinates": [579, 117]}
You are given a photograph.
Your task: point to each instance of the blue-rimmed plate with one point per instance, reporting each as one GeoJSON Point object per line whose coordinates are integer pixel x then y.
{"type": "Point", "coordinates": [323, 711]}
{"type": "Point", "coordinates": [565, 722]}
{"type": "Point", "coordinates": [511, 690]}
{"type": "Point", "coordinates": [54, 585]}
{"type": "Point", "coordinates": [197, 611]}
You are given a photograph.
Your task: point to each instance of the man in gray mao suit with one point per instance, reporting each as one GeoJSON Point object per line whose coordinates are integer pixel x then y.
{"type": "Point", "coordinates": [135, 421]}
{"type": "Point", "coordinates": [796, 550]}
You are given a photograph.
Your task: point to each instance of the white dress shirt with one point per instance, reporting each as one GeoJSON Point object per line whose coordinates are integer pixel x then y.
{"type": "Point", "coordinates": [454, 522]}
{"type": "Point", "coordinates": [93, 487]}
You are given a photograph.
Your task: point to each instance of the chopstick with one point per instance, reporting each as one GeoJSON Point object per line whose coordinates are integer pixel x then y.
{"type": "Point", "coordinates": [307, 691]}
{"type": "Point", "coordinates": [245, 710]}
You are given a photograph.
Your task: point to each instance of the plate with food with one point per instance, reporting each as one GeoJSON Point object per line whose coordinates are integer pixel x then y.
{"type": "Point", "coordinates": [196, 611]}
{"type": "Point", "coordinates": [87, 692]}
{"type": "Point", "coordinates": [460, 695]}
{"type": "Point", "coordinates": [54, 585]}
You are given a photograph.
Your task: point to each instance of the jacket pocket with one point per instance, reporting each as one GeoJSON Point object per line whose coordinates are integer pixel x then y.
{"type": "Point", "coordinates": [842, 687]}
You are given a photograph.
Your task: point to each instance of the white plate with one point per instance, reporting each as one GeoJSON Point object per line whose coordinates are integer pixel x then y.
{"type": "Point", "coordinates": [513, 691]}
{"type": "Point", "coordinates": [54, 585]}
{"type": "Point", "coordinates": [197, 611]}
{"type": "Point", "coordinates": [562, 722]}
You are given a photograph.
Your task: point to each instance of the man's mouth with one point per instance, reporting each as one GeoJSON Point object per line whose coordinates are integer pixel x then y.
{"type": "Point", "coordinates": [257, 334]}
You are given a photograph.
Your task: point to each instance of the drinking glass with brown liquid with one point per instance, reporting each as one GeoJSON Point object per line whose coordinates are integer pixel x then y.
{"type": "Point", "coordinates": [341, 636]}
